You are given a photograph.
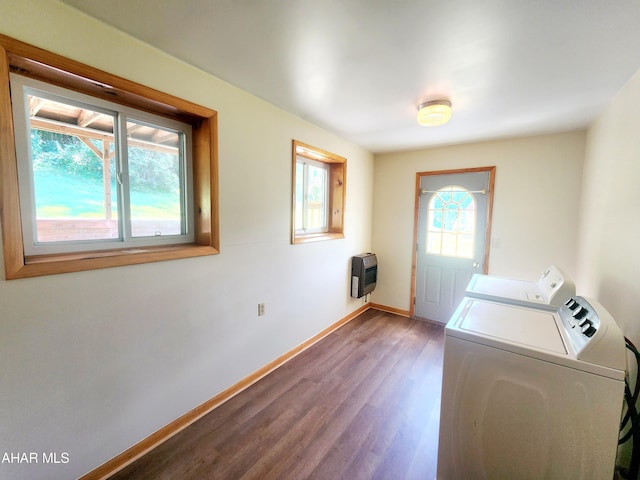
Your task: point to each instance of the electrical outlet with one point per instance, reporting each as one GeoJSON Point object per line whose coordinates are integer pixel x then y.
{"type": "Point", "coordinates": [260, 309]}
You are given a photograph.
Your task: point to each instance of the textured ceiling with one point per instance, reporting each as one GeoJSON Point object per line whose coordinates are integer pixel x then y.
{"type": "Point", "coordinates": [359, 68]}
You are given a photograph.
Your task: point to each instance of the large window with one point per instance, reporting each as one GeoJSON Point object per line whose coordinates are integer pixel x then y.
{"type": "Point", "coordinates": [318, 194]}
{"type": "Point", "coordinates": [97, 171]}
{"type": "Point", "coordinates": [97, 175]}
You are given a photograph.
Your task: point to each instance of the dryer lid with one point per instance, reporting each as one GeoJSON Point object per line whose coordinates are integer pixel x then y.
{"type": "Point", "coordinates": [499, 288]}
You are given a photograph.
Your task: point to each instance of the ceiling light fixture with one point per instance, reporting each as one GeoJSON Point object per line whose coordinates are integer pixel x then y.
{"type": "Point", "coordinates": [434, 113]}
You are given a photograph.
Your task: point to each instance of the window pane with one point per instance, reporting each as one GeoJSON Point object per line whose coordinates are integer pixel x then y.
{"type": "Point", "coordinates": [90, 180]}
{"type": "Point", "coordinates": [434, 243]}
{"type": "Point", "coordinates": [466, 222]}
{"type": "Point", "coordinates": [299, 195]}
{"type": "Point", "coordinates": [467, 202]}
{"type": "Point", "coordinates": [316, 197]}
{"type": "Point", "coordinates": [451, 221]}
{"type": "Point", "coordinates": [155, 180]}
{"type": "Point", "coordinates": [72, 160]}
{"type": "Point", "coordinates": [449, 244]}
{"type": "Point", "coordinates": [435, 220]}
{"type": "Point", "coordinates": [465, 246]}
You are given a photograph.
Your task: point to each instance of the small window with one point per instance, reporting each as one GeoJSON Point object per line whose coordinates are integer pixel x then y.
{"type": "Point", "coordinates": [451, 222]}
{"type": "Point", "coordinates": [318, 194]}
{"type": "Point", "coordinates": [94, 175]}
{"type": "Point", "coordinates": [312, 192]}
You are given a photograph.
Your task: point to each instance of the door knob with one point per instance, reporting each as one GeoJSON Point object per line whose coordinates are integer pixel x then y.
{"type": "Point", "coordinates": [476, 265]}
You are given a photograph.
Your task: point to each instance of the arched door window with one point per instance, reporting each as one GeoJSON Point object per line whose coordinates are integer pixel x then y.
{"type": "Point", "coordinates": [451, 222]}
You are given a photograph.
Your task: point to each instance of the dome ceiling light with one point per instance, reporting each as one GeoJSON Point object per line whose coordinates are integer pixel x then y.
{"type": "Point", "coordinates": [434, 113]}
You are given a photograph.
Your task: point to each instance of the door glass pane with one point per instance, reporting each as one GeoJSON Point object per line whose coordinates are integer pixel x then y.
{"type": "Point", "coordinates": [466, 221]}
{"type": "Point", "coordinates": [434, 242]}
{"type": "Point", "coordinates": [72, 161]}
{"type": "Point", "coordinates": [451, 222]}
{"type": "Point", "coordinates": [155, 157]}
{"type": "Point", "coordinates": [449, 247]}
{"type": "Point", "coordinates": [465, 245]}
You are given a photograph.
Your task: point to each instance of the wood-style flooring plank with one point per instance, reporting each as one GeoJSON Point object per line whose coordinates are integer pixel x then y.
{"type": "Point", "coordinates": [363, 403]}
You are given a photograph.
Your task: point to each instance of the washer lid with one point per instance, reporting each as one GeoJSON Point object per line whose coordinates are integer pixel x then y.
{"type": "Point", "coordinates": [509, 325]}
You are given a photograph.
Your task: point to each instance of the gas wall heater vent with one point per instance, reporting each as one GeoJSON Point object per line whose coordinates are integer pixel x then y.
{"type": "Point", "coordinates": [364, 274]}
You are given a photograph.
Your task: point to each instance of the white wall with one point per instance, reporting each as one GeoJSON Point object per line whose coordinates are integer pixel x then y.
{"type": "Point", "coordinates": [609, 230]}
{"type": "Point", "coordinates": [535, 208]}
{"type": "Point", "coordinates": [93, 362]}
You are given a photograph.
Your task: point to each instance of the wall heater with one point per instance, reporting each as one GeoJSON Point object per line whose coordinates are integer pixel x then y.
{"type": "Point", "coordinates": [364, 274]}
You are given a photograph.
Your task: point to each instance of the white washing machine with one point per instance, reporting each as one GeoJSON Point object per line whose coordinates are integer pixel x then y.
{"type": "Point", "coordinates": [530, 393]}
{"type": "Point", "coordinates": [550, 291]}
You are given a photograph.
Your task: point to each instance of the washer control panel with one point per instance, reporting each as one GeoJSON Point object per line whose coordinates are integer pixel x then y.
{"type": "Point", "coordinates": [592, 333]}
{"type": "Point", "coordinates": [583, 317]}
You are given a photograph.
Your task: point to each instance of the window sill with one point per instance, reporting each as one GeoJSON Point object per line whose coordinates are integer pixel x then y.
{"type": "Point", "coordinates": [75, 262]}
{"type": "Point", "coordinates": [316, 237]}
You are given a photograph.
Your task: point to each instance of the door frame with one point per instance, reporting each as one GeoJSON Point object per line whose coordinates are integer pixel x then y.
{"type": "Point", "coordinates": [487, 239]}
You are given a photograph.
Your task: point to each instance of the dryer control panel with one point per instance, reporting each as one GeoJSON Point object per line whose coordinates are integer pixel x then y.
{"type": "Point", "coordinates": [555, 286]}
{"type": "Point", "coordinates": [592, 333]}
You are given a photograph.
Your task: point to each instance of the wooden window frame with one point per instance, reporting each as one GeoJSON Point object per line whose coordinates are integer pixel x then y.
{"type": "Point", "coordinates": [337, 192]}
{"type": "Point", "coordinates": [24, 59]}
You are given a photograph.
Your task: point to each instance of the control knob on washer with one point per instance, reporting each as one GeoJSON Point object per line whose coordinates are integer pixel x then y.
{"type": "Point", "coordinates": [588, 329]}
{"type": "Point", "coordinates": [579, 313]}
{"type": "Point", "coordinates": [571, 304]}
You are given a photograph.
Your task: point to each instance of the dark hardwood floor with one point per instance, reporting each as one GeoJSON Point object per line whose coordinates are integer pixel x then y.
{"type": "Point", "coordinates": [363, 403]}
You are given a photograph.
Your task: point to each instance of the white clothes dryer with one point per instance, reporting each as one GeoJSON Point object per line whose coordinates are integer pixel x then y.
{"type": "Point", "coordinates": [550, 291]}
{"type": "Point", "coordinates": [530, 394]}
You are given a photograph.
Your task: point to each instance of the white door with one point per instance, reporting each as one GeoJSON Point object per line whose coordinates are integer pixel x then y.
{"type": "Point", "coordinates": [452, 229]}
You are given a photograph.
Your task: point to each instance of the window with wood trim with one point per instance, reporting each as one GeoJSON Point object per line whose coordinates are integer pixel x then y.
{"type": "Point", "coordinates": [97, 171]}
{"type": "Point", "coordinates": [98, 175]}
{"type": "Point", "coordinates": [319, 190]}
